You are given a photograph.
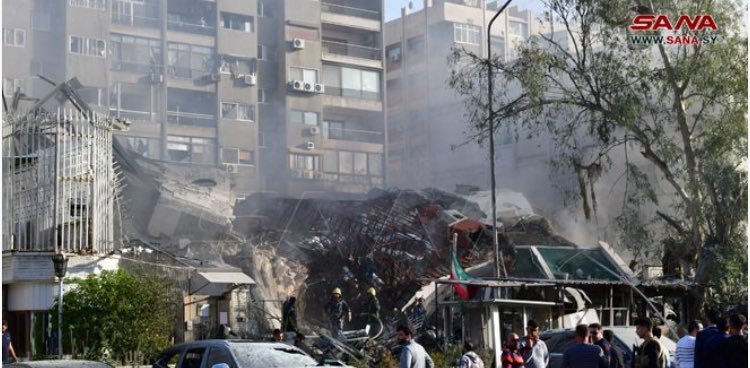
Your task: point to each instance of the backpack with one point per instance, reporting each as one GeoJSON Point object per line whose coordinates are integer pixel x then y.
{"type": "Point", "coordinates": [474, 361]}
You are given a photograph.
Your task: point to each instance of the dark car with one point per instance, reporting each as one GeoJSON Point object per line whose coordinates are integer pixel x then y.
{"type": "Point", "coordinates": [233, 354]}
{"type": "Point", "coordinates": [59, 364]}
{"type": "Point", "coordinates": [625, 338]}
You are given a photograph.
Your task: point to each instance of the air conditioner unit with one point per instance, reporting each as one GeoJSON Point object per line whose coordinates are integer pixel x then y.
{"type": "Point", "coordinates": [297, 85]}
{"type": "Point", "coordinates": [248, 79]}
{"type": "Point", "coordinates": [309, 87]}
{"type": "Point", "coordinates": [310, 146]}
{"type": "Point", "coordinates": [314, 130]}
{"type": "Point", "coordinates": [319, 88]}
{"type": "Point", "coordinates": [233, 169]}
{"type": "Point", "coordinates": [156, 78]}
{"type": "Point", "coordinates": [298, 43]}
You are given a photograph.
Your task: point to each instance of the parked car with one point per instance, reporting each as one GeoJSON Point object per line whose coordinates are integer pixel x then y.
{"type": "Point", "coordinates": [234, 354]}
{"type": "Point", "coordinates": [58, 364]}
{"type": "Point", "coordinates": [625, 338]}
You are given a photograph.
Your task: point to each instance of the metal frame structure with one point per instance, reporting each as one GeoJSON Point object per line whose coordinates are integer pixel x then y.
{"type": "Point", "coordinates": [58, 181]}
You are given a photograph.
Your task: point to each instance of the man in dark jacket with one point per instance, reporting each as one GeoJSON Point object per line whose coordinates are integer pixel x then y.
{"type": "Point", "coordinates": [650, 354]}
{"type": "Point", "coordinates": [712, 318]}
{"type": "Point", "coordinates": [733, 350]}
{"type": "Point", "coordinates": [372, 307]}
{"type": "Point", "coordinates": [583, 354]}
{"type": "Point", "coordinates": [338, 310]}
{"type": "Point", "coordinates": [289, 316]}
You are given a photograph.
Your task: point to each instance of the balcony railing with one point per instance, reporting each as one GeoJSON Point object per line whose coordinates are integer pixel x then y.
{"type": "Point", "coordinates": [141, 68]}
{"type": "Point", "coordinates": [189, 118]}
{"type": "Point", "coordinates": [190, 27]}
{"type": "Point", "coordinates": [131, 115]}
{"type": "Point", "coordinates": [346, 10]}
{"type": "Point", "coordinates": [365, 136]}
{"type": "Point", "coordinates": [353, 93]}
{"type": "Point", "coordinates": [186, 72]}
{"type": "Point", "coordinates": [347, 49]}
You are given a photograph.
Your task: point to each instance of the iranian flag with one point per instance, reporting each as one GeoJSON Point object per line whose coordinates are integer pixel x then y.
{"type": "Point", "coordinates": [457, 273]}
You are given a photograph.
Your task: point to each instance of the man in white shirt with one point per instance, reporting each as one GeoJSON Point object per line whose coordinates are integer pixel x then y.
{"type": "Point", "coordinates": [685, 353]}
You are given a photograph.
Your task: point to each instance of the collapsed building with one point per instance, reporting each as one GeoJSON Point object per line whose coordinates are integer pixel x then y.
{"type": "Point", "coordinates": [256, 252]}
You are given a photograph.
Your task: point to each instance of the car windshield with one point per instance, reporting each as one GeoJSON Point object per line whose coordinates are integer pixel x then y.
{"type": "Point", "coordinates": [271, 355]}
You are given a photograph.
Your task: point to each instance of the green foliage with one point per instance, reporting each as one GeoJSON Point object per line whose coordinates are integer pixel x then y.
{"type": "Point", "coordinates": [681, 109]}
{"type": "Point", "coordinates": [117, 313]}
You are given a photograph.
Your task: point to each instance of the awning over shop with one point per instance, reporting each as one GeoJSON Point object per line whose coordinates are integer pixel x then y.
{"type": "Point", "coordinates": [217, 283]}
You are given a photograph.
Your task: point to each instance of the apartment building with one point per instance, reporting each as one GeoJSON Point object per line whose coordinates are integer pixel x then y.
{"type": "Point", "coordinates": [287, 96]}
{"type": "Point", "coordinates": [426, 121]}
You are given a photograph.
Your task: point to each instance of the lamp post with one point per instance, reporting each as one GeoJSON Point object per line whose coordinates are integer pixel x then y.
{"type": "Point", "coordinates": [61, 266]}
{"type": "Point", "coordinates": [490, 116]}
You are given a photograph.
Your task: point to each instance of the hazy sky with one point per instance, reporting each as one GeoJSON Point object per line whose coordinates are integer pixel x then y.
{"type": "Point", "coordinates": [393, 7]}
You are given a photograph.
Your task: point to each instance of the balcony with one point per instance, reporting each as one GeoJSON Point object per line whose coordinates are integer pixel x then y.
{"type": "Point", "coordinates": [353, 93]}
{"type": "Point", "coordinates": [351, 17]}
{"type": "Point", "coordinates": [352, 54]}
{"type": "Point", "coordinates": [135, 21]}
{"type": "Point", "coordinates": [194, 27]}
{"type": "Point", "coordinates": [186, 72]}
{"type": "Point", "coordinates": [364, 136]}
{"type": "Point", "coordinates": [134, 67]}
{"type": "Point", "coordinates": [131, 115]}
{"type": "Point", "coordinates": [193, 119]}
{"type": "Point", "coordinates": [136, 14]}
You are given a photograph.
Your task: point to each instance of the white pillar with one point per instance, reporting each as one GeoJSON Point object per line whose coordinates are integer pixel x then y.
{"type": "Point", "coordinates": [496, 340]}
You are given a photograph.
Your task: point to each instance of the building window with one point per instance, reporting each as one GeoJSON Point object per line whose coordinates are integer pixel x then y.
{"type": "Point", "coordinates": [10, 85]}
{"type": "Point", "coordinates": [333, 129]}
{"type": "Point", "coordinates": [90, 4]}
{"type": "Point", "coordinates": [415, 47]}
{"type": "Point", "coordinates": [303, 74]}
{"type": "Point", "coordinates": [88, 46]}
{"type": "Point", "coordinates": [238, 22]}
{"type": "Point", "coordinates": [303, 162]}
{"type": "Point", "coordinates": [263, 53]}
{"type": "Point", "coordinates": [40, 21]}
{"type": "Point", "coordinates": [393, 56]}
{"type": "Point", "coordinates": [237, 111]}
{"type": "Point", "coordinates": [351, 82]}
{"type": "Point", "coordinates": [466, 33]}
{"type": "Point", "coordinates": [518, 29]}
{"type": "Point", "coordinates": [237, 156]}
{"type": "Point", "coordinates": [263, 96]}
{"type": "Point", "coordinates": [146, 147]}
{"type": "Point", "coordinates": [303, 117]}
{"type": "Point", "coordinates": [15, 37]}
{"type": "Point", "coordinates": [190, 61]}
{"type": "Point", "coordinates": [190, 149]}
{"type": "Point", "coordinates": [136, 54]}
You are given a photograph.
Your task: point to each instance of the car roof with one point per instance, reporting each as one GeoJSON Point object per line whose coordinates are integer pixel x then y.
{"type": "Point", "coordinates": [626, 334]}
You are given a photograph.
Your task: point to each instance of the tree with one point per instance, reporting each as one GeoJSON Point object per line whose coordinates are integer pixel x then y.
{"type": "Point", "coordinates": [680, 108]}
{"type": "Point", "coordinates": [119, 313]}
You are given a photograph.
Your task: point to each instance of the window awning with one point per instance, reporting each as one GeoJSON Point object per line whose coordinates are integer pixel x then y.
{"type": "Point", "coordinates": [217, 283]}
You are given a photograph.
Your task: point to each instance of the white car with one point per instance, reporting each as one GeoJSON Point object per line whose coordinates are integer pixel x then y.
{"type": "Point", "coordinates": [625, 339]}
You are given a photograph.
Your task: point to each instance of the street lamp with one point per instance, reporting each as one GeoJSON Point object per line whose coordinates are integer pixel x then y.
{"type": "Point", "coordinates": [490, 117]}
{"type": "Point", "coordinates": [61, 267]}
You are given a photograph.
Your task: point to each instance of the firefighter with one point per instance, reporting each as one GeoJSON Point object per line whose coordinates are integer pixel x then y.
{"type": "Point", "coordinates": [372, 307]}
{"type": "Point", "coordinates": [337, 310]}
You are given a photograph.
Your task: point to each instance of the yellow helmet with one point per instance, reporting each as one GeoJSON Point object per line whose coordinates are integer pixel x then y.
{"type": "Point", "coordinates": [371, 291]}
{"type": "Point", "coordinates": [336, 291]}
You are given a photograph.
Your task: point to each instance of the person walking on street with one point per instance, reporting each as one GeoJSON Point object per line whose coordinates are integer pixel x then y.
{"type": "Point", "coordinates": [656, 331]}
{"type": "Point", "coordinates": [418, 314]}
{"type": "Point", "coordinates": [511, 356]}
{"type": "Point", "coordinates": [372, 307]}
{"type": "Point", "coordinates": [712, 356]}
{"type": "Point", "coordinates": [615, 359]}
{"type": "Point", "coordinates": [8, 352]}
{"type": "Point", "coordinates": [470, 359]}
{"type": "Point", "coordinates": [277, 335]}
{"type": "Point", "coordinates": [685, 352]}
{"type": "Point", "coordinates": [534, 350]}
{"type": "Point", "coordinates": [289, 316]}
{"type": "Point", "coordinates": [712, 318]}
{"type": "Point", "coordinates": [413, 355]}
{"type": "Point", "coordinates": [337, 310]}
{"type": "Point", "coordinates": [733, 351]}
{"type": "Point", "coordinates": [597, 337]}
{"type": "Point", "coordinates": [583, 354]}
{"type": "Point", "coordinates": [650, 354]}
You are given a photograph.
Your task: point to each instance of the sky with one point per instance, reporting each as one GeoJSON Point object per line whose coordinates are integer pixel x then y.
{"type": "Point", "coordinates": [393, 7]}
